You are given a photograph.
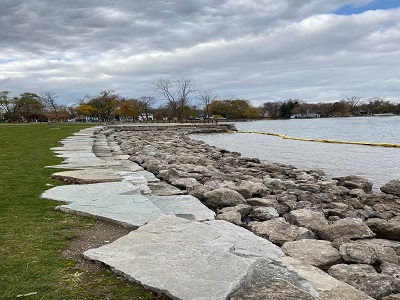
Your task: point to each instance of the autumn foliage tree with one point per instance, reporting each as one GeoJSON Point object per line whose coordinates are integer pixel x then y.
{"type": "Point", "coordinates": [128, 108]}
{"type": "Point", "coordinates": [105, 104]}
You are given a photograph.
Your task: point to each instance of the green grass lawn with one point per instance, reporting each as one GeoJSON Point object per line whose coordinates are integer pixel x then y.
{"type": "Point", "coordinates": [33, 234]}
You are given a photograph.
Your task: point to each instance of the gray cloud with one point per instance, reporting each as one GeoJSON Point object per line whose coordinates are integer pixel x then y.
{"type": "Point", "coordinates": [256, 50]}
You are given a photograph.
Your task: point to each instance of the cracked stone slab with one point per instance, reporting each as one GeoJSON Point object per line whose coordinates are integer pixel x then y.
{"type": "Point", "coordinates": [122, 203]}
{"type": "Point", "coordinates": [184, 206]}
{"type": "Point", "coordinates": [188, 259]}
{"type": "Point", "coordinates": [87, 176]}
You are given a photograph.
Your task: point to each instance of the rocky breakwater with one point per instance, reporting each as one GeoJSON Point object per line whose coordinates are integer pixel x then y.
{"type": "Point", "coordinates": [338, 225]}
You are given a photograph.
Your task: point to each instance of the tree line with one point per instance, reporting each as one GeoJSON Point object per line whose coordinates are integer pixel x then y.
{"type": "Point", "coordinates": [182, 100]}
{"type": "Point", "coordinates": [353, 106]}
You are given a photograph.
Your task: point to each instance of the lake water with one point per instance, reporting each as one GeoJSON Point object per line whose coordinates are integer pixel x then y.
{"type": "Point", "coordinates": [378, 164]}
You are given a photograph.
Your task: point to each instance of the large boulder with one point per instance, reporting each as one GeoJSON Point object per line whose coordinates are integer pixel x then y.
{"type": "Point", "coordinates": [387, 229]}
{"type": "Point", "coordinates": [353, 228]}
{"type": "Point", "coordinates": [314, 252]}
{"type": "Point", "coordinates": [367, 253]}
{"type": "Point", "coordinates": [327, 286]}
{"type": "Point", "coordinates": [265, 201]}
{"type": "Point", "coordinates": [264, 213]}
{"type": "Point", "coordinates": [392, 187]}
{"type": "Point", "coordinates": [185, 183]}
{"type": "Point", "coordinates": [233, 217]}
{"type": "Point", "coordinates": [272, 290]}
{"type": "Point", "coordinates": [364, 278]}
{"type": "Point", "coordinates": [279, 231]}
{"type": "Point", "coordinates": [309, 219]}
{"type": "Point", "coordinates": [223, 197]}
{"type": "Point", "coordinates": [355, 182]}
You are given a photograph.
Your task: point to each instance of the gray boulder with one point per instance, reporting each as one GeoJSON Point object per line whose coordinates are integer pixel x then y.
{"type": "Point", "coordinates": [364, 253]}
{"type": "Point", "coordinates": [355, 182]}
{"type": "Point", "coordinates": [279, 231]}
{"type": "Point", "coordinates": [242, 190]}
{"type": "Point", "coordinates": [242, 209]}
{"type": "Point", "coordinates": [309, 219]}
{"type": "Point", "coordinates": [392, 187]}
{"type": "Point", "coordinates": [272, 290]}
{"type": "Point", "coordinates": [364, 278]}
{"type": "Point", "coordinates": [353, 228]}
{"type": "Point", "coordinates": [233, 217]}
{"type": "Point", "coordinates": [264, 213]}
{"type": "Point", "coordinates": [314, 252]}
{"type": "Point", "coordinates": [387, 229]}
{"type": "Point", "coordinates": [223, 197]}
{"type": "Point", "coordinates": [265, 201]}
{"type": "Point", "coordinates": [185, 183]}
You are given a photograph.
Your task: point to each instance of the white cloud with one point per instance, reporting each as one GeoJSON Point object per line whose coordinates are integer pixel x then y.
{"type": "Point", "coordinates": [256, 50]}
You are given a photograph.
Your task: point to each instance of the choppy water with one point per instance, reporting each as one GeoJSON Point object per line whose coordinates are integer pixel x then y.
{"type": "Point", "coordinates": [378, 164]}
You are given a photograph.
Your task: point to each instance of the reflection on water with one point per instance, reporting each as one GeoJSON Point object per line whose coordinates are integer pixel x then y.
{"type": "Point", "coordinates": [378, 164]}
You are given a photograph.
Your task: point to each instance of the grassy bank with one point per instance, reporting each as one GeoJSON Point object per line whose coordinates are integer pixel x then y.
{"type": "Point", "coordinates": [33, 235]}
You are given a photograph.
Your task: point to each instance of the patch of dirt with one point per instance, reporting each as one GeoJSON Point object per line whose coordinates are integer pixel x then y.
{"type": "Point", "coordinates": [92, 272]}
{"type": "Point", "coordinates": [101, 233]}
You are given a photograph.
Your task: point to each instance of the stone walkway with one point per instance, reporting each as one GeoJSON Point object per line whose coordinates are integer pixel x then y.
{"type": "Point", "coordinates": [178, 248]}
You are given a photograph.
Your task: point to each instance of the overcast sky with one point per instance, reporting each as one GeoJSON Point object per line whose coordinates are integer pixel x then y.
{"type": "Point", "coordinates": [259, 50]}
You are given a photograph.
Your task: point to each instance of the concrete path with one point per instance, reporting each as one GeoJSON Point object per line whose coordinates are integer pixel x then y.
{"type": "Point", "coordinates": [178, 248]}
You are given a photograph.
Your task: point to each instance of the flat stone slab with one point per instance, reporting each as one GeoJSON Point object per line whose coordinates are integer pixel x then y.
{"type": "Point", "coordinates": [88, 176]}
{"type": "Point", "coordinates": [188, 259]}
{"type": "Point", "coordinates": [121, 202]}
{"type": "Point", "coordinates": [80, 160]}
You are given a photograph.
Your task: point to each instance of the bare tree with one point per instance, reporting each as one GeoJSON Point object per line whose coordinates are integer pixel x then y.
{"type": "Point", "coordinates": [353, 102]}
{"type": "Point", "coordinates": [145, 103]}
{"type": "Point", "coordinates": [206, 97]}
{"type": "Point", "coordinates": [49, 100]}
{"type": "Point", "coordinates": [176, 93]}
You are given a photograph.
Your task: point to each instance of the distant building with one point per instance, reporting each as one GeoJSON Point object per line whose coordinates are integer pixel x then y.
{"type": "Point", "coordinates": [142, 117]}
{"type": "Point", "coordinates": [49, 117]}
{"type": "Point", "coordinates": [308, 114]}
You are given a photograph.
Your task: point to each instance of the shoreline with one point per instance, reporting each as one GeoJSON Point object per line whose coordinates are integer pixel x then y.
{"type": "Point", "coordinates": [168, 185]}
{"type": "Point", "coordinates": [298, 210]}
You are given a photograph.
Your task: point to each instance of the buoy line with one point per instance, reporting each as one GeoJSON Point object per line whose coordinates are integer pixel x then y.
{"type": "Point", "coordinates": [321, 140]}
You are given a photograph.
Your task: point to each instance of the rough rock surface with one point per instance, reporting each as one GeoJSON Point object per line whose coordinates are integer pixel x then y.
{"type": "Point", "coordinates": [224, 197]}
{"type": "Point", "coordinates": [314, 252]}
{"type": "Point", "coordinates": [392, 187]}
{"type": "Point", "coordinates": [364, 278]}
{"type": "Point", "coordinates": [309, 219]}
{"type": "Point", "coordinates": [272, 290]}
{"type": "Point", "coordinates": [353, 228]}
{"type": "Point", "coordinates": [327, 286]}
{"type": "Point", "coordinates": [279, 231]}
{"type": "Point", "coordinates": [388, 229]}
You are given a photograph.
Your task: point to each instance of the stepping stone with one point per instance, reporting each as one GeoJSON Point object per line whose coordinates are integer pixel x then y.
{"type": "Point", "coordinates": [78, 160]}
{"type": "Point", "coordinates": [122, 203]}
{"type": "Point", "coordinates": [88, 176]}
{"type": "Point", "coordinates": [188, 259]}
